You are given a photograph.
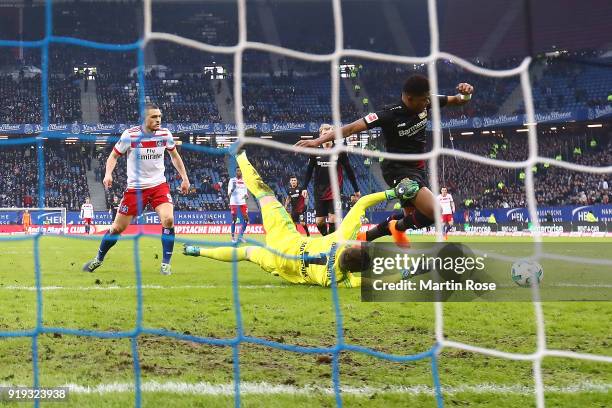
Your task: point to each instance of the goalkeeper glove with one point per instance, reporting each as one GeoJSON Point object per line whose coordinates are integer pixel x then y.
{"type": "Point", "coordinates": [191, 250]}
{"type": "Point", "coordinates": [406, 189]}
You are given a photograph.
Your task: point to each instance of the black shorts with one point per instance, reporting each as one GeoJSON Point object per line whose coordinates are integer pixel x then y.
{"type": "Point", "coordinates": [324, 207]}
{"type": "Point", "coordinates": [298, 217]}
{"type": "Point", "coordinates": [394, 172]}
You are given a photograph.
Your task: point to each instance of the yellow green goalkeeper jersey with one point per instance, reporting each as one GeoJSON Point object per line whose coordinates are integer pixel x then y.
{"type": "Point", "coordinates": [300, 259]}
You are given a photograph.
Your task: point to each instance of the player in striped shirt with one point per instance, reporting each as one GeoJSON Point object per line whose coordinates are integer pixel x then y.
{"type": "Point", "coordinates": [87, 214]}
{"type": "Point", "coordinates": [447, 206]}
{"type": "Point", "coordinates": [144, 146]}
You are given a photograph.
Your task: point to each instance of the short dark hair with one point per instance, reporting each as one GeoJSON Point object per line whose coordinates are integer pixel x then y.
{"type": "Point", "coordinates": [151, 105]}
{"type": "Point", "coordinates": [354, 259]}
{"type": "Point", "coordinates": [292, 176]}
{"type": "Point", "coordinates": [416, 85]}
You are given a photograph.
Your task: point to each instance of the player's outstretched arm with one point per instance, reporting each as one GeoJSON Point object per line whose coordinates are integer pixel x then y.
{"type": "Point", "coordinates": [465, 94]}
{"type": "Point", "coordinates": [346, 130]}
{"type": "Point", "coordinates": [178, 164]}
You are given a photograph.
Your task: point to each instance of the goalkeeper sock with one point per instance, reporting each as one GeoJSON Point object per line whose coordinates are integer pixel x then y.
{"type": "Point", "coordinates": [382, 229]}
{"type": "Point", "coordinates": [225, 254]}
{"type": "Point", "coordinates": [167, 238]}
{"type": "Point", "coordinates": [109, 239]}
{"type": "Point", "coordinates": [416, 220]}
{"type": "Point", "coordinates": [331, 227]}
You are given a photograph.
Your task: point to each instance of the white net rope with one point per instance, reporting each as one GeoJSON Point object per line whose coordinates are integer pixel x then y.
{"type": "Point", "coordinates": [432, 156]}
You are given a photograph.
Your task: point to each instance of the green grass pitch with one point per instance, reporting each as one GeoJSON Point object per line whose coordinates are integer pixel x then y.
{"type": "Point", "coordinates": [197, 299]}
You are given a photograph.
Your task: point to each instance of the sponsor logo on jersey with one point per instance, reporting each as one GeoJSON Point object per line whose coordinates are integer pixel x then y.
{"type": "Point", "coordinates": [401, 125]}
{"type": "Point", "coordinates": [423, 115]}
{"type": "Point", "coordinates": [148, 144]}
{"type": "Point", "coordinates": [371, 117]}
{"type": "Point", "coordinates": [414, 129]}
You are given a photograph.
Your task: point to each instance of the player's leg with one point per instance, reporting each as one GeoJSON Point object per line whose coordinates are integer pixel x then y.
{"type": "Point", "coordinates": [234, 213]}
{"type": "Point", "coordinates": [392, 178]}
{"type": "Point", "coordinates": [422, 200]}
{"type": "Point", "coordinates": [254, 254]}
{"type": "Point", "coordinates": [165, 211]}
{"type": "Point", "coordinates": [331, 223]}
{"type": "Point", "coordinates": [276, 220]}
{"type": "Point", "coordinates": [244, 211]}
{"type": "Point", "coordinates": [109, 239]}
{"type": "Point", "coordinates": [225, 254]}
{"type": "Point", "coordinates": [302, 220]}
{"type": "Point", "coordinates": [254, 182]}
{"type": "Point", "coordinates": [87, 224]}
{"type": "Point", "coordinates": [423, 215]}
{"type": "Point", "coordinates": [331, 217]}
{"type": "Point", "coordinates": [320, 214]}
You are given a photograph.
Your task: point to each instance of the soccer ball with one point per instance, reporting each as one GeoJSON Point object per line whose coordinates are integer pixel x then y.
{"type": "Point", "coordinates": [525, 272]}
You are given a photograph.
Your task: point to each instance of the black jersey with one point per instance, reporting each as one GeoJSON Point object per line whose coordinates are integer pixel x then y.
{"type": "Point", "coordinates": [403, 131]}
{"type": "Point", "coordinates": [114, 207]}
{"type": "Point", "coordinates": [320, 166]}
{"type": "Point", "coordinates": [296, 199]}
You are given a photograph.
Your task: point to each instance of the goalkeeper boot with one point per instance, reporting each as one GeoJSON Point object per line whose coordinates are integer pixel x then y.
{"type": "Point", "coordinates": [92, 265]}
{"type": "Point", "coordinates": [191, 250]}
{"type": "Point", "coordinates": [406, 190]}
{"type": "Point", "coordinates": [165, 269]}
{"type": "Point", "coordinates": [399, 237]}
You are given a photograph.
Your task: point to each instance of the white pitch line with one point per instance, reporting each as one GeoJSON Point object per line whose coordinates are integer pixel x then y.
{"type": "Point", "coordinates": [156, 287]}
{"type": "Point", "coordinates": [159, 287]}
{"type": "Point", "coordinates": [263, 388]}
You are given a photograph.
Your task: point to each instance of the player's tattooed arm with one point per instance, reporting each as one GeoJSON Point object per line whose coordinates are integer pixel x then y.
{"type": "Point", "coordinates": [465, 94]}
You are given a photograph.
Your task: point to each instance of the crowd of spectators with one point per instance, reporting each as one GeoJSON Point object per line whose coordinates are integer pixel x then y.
{"type": "Point", "coordinates": [487, 186]}
{"type": "Point", "coordinates": [473, 184]}
{"type": "Point", "coordinates": [21, 99]}
{"type": "Point", "coordinates": [65, 177]}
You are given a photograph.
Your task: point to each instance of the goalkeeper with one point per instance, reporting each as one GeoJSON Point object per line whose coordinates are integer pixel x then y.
{"type": "Point", "coordinates": [300, 259]}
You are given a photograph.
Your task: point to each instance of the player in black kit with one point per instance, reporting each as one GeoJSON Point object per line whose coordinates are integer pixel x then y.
{"type": "Point", "coordinates": [297, 200]}
{"type": "Point", "coordinates": [403, 126]}
{"type": "Point", "coordinates": [324, 200]}
{"type": "Point", "coordinates": [114, 207]}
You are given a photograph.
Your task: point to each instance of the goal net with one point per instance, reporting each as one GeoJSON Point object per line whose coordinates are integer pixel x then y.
{"type": "Point", "coordinates": [341, 342]}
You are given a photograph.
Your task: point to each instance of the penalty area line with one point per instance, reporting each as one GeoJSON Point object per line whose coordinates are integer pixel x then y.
{"type": "Point", "coordinates": [264, 388]}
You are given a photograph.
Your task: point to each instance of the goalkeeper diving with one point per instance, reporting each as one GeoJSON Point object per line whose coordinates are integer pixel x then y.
{"type": "Point", "coordinates": [300, 259]}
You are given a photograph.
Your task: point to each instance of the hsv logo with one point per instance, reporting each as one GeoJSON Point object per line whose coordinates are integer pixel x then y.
{"type": "Point", "coordinates": [371, 118]}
